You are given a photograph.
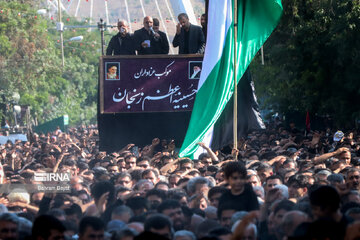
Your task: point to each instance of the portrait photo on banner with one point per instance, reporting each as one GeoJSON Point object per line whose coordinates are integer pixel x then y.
{"type": "Point", "coordinates": [195, 69]}
{"type": "Point", "coordinates": [112, 71]}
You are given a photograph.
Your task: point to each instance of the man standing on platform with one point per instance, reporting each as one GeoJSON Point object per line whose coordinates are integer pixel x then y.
{"type": "Point", "coordinates": [145, 38]}
{"type": "Point", "coordinates": [122, 43]}
{"type": "Point", "coordinates": [160, 43]}
{"type": "Point", "coordinates": [203, 24]}
{"type": "Point", "coordinates": [189, 38]}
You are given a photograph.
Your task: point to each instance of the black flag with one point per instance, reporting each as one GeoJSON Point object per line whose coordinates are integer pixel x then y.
{"type": "Point", "coordinates": [248, 115]}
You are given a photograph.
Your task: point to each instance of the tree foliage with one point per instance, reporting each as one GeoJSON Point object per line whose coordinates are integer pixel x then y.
{"type": "Point", "coordinates": [312, 60]}
{"type": "Point", "coordinates": [30, 64]}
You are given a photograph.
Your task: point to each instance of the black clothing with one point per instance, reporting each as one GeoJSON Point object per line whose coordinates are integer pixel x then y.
{"type": "Point", "coordinates": [249, 120]}
{"type": "Point", "coordinates": [186, 42]}
{"type": "Point", "coordinates": [195, 42]}
{"type": "Point", "coordinates": [328, 228]}
{"type": "Point", "coordinates": [264, 232]}
{"type": "Point", "coordinates": [204, 32]}
{"type": "Point", "coordinates": [157, 46]}
{"type": "Point", "coordinates": [246, 201]}
{"type": "Point", "coordinates": [44, 205]}
{"type": "Point", "coordinates": [119, 45]}
{"type": "Point", "coordinates": [160, 45]}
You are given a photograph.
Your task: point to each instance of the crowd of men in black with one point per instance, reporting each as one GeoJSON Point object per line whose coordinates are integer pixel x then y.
{"type": "Point", "coordinates": [283, 185]}
{"type": "Point", "coordinates": [150, 40]}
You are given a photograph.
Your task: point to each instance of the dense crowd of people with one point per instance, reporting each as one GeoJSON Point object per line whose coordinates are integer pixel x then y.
{"type": "Point", "coordinates": [278, 184]}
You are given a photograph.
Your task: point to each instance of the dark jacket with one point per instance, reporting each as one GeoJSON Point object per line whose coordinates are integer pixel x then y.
{"type": "Point", "coordinates": [196, 40]}
{"type": "Point", "coordinates": [160, 46]}
{"type": "Point", "coordinates": [119, 45]}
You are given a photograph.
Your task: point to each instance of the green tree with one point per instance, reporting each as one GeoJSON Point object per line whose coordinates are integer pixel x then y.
{"type": "Point", "coordinates": [30, 64]}
{"type": "Point", "coordinates": [313, 61]}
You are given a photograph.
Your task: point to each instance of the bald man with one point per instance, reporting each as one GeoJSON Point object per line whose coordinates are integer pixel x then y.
{"type": "Point", "coordinates": [146, 38]}
{"type": "Point", "coordinates": [122, 43]}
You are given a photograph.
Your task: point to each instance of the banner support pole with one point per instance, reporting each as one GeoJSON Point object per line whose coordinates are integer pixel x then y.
{"type": "Point", "coordinates": [235, 82]}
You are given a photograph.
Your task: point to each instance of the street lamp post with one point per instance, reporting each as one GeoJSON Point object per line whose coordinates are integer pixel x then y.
{"type": "Point", "coordinates": [60, 28]}
{"type": "Point", "coordinates": [102, 27]}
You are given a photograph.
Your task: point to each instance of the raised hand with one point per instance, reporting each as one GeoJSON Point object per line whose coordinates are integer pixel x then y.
{"type": "Point", "coordinates": [178, 29]}
{"type": "Point", "coordinates": [155, 141]}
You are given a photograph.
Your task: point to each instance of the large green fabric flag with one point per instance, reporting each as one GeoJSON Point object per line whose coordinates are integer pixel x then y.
{"type": "Point", "coordinates": [256, 20]}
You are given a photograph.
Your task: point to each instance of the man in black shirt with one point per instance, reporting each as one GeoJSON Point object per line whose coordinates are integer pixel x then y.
{"type": "Point", "coordinates": [325, 206]}
{"type": "Point", "coordinates": [241, 196]}
{"type": "Point", "coordinates": [122, 43]}
{"type": "Point", "coordinates": [189, 38]}
{"type": "Point", "coordinates": [160, 42]}
{"type": "Point", "coordinates": [203, 23]}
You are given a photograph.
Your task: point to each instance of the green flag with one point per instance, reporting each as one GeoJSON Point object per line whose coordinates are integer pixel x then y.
{"type": "Point", "coordinates": [256, 20]}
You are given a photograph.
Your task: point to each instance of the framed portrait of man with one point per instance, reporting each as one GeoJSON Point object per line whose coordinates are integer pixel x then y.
{"type": "Point", "coordinates": [112, 71]}
{"type": "Point", "coordinates": [195, 69]}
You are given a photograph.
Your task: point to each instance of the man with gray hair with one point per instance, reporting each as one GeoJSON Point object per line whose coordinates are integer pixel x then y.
{"type": "Point", "coordinates": [323, 175]}
{"type": "Point", "coordinates": [146, 38]}
{"type": "Point", "coordinates": [198, 185]}
{"type": "Point", "coordinates": [250, 231]}
{"type": "Point", "coordinates": [211, 213]}
{"type": "Point", "coordinates": [284, 191]}
{"type": "Point", "coordinates": [122, 43]}
{"type": "Point", "coordinates": [353, 178]}
{"type": "Point", "coordinates": [184, 235]}
{"type": "Point", "coordinates": [290, 221]}
{"type": "Point", "coordinates": [9, 226]}
{"type": "Point", "coordinates": [122, 213]}
{"type": "Point", "coordinates": [239, 215]}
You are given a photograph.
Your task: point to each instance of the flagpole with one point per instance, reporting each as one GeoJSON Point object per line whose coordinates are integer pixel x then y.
{"type": "Point", "coordinates": [235, 82]}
